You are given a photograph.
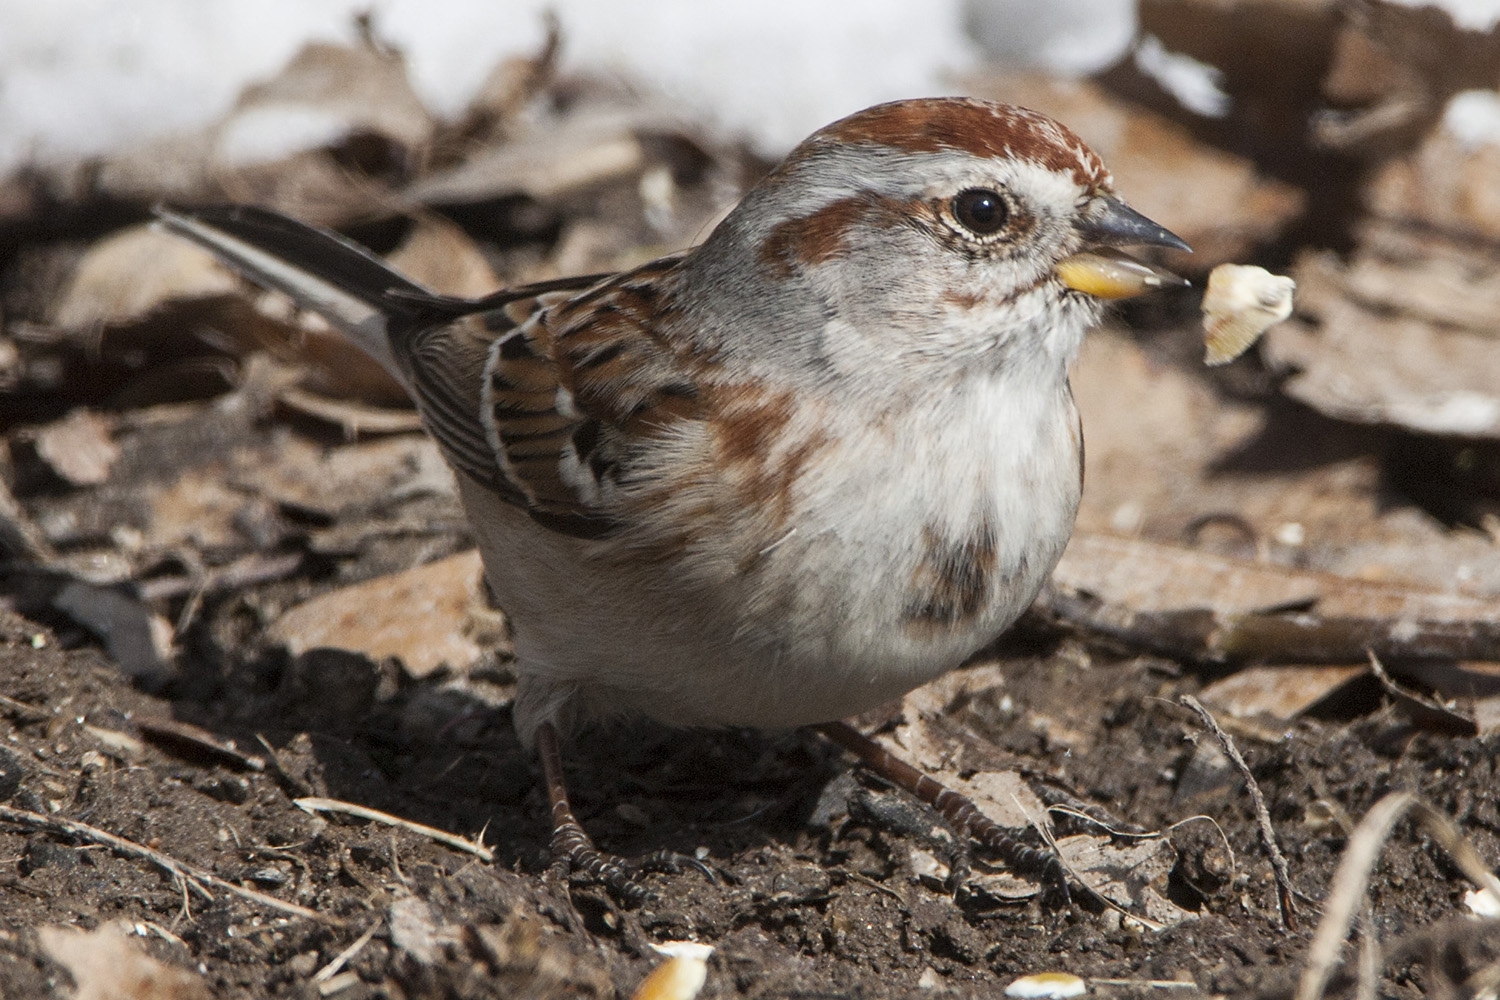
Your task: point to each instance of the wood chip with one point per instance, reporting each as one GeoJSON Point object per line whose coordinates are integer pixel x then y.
{"type": "Point", "coordinates": [128, 275]}
{"type": "Point", "coordinates": [80, 447]}
{"type": "Point", "coordinates": [106, 964]}
{"type": "Point", "coordinates": [417, 616]}
{"type": "Point", "coordinates": [1282, 692]}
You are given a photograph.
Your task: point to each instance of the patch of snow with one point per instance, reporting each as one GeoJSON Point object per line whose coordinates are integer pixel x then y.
{"type": "Point", "coordinates": [1471, 15]}
{"type": "Point", "coordinates": [1196, 85]}
{"type": "Point", "coordinates": [1473, 118]}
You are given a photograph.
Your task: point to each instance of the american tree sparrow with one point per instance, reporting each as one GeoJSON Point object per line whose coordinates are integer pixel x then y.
{"type": "Point", "coordinates": [786, 475]}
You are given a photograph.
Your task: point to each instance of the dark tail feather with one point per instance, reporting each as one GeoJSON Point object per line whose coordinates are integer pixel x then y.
{"type": "Point", "coordinates": [320, 270]}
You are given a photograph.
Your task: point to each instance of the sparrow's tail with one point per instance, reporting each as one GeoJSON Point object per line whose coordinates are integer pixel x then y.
{"type": "Point", "coordinates": [321, 271]}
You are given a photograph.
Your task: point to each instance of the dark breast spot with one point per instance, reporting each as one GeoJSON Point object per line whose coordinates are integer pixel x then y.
{"type": "Point", "coordinates": [955, 579]}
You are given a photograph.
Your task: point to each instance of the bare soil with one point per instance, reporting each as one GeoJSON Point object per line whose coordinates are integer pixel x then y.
{"type": "Point", "coordinates": [802, 905]}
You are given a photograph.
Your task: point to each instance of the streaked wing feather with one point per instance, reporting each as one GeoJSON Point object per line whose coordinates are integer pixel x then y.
{"type": "Point", "coordinates": [571, 394]}
{"type": "Point", "coordinates": [447, 368]}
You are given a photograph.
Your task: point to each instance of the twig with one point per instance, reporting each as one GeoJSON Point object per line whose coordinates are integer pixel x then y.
{"type": "Point", "coordinates": [1352, 878]}
{"type": "Point", "coordinates": [245, 572]}
{"type": "Point", "coordinates": [315, 805]}
{"type": "Point", "coordinates": [190, 875]}
{"type": "Point", "coordinates": [23, 711]}
{"type": "Point", "coordinates": [1044, 830]}
{"type": "Point", "coordinates": [1262, 814]}
{"type": "Point", "coordinates": [340, 960]}
{"type": "Point", "coordinates": [865, 880]}
{"type": "Point", "coordinates": [1146, 834]}
{"type": "Point", "coordinates": [289, 782]}
{"type": "Point", "coordinates": [1369, 957]}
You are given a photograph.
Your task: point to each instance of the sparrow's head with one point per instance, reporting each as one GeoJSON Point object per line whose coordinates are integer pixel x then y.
{"type": "Point", "coordinates": [945, 228]}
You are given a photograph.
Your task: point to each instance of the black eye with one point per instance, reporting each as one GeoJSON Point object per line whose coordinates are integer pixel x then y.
{"type": "Point", "coordinates": [981, 211]}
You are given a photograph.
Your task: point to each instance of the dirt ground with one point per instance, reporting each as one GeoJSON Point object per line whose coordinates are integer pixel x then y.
{"type": "Point", "coordinates": [799, 908]}
{"type": "Point", "coordinates": [237, 580]}
{"type": "Point", "coordinates": [817, 891]}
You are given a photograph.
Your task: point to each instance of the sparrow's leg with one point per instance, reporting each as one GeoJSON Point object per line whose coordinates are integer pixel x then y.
{"type": "Point", "coordinates": [574, 850]}
{"type": "Point", "coordinates": [958, 810]}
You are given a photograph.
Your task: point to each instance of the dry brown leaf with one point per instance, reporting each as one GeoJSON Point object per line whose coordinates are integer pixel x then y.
{"type": "Point", "coordinates": [1283, 692]}
{"type": "Point", "coordinates": [198, 509]}
{"type": "Point", "coordinates": [1132, 875]}
{"type": "Point", "coordinates": [1258, 475]}
{"type": "Point", "coordinates": [351, 476]}
{"type": "Point", "coordinates": [323, 95]}
{"type": "Point", "coordinates": [273, 147]}
{"type": "Point", "coordinates": [80, 447]}
{"type": "Point", "coordinates": [1182, 602]}
{"type": "Point", "coordinates": [921, 740]}
{"type": "Point", "coordinates": [442, 257]}
{"type": "Point", "coordinates": [584, 149]}
{"type": "Point", "coordinates": [126, 276]}
{"type": "Point", "coordinates": [106, 965]}
{"type": "Point", "coordinates": [1394, 67]}
{"type": "Point", "coordinates": [1453, 680]}
{"type": "Point", "coordinates": [1151, 576]}
{"type": "Point", "coordinates": [1445, 184]}
{"type": "Point", "coordinates": [509, 87]}
{"type": "Point", "coordinates": [435, 254]}
{"type": "Point", "coordinates": [416, 615]}
{"type": "Point", "coordinates": [1474, 687]}
{"type": "Point", "coordinates": [1396, 342]}
{"type": "Point", "coordinates": [1449, 291]}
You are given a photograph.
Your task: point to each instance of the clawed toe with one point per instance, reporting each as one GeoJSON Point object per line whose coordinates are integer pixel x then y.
{"type": "Point", "coordinates": [574, 852]}
{"type": "Point", "coordinates": [671, 863]}
{"type": "Point", "coordinates": [960, 813]}
{"type": "Point", "coordinates": [620, 876]}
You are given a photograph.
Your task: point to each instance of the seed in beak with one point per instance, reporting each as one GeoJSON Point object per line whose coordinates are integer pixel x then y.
{"type": "Point", "coordinates": [1110, 274]}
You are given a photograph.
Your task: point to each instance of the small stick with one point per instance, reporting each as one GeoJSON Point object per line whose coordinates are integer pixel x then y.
{"type": "Point", "coordinates": [1262, 814]}
{"type": "Point", "coordinates": [1370, 962]}
{"type": "Point", "coordinates": [340, 960]}
{"type": "Point", "coordinates": [315, 805]}
{"type": "Point", "coordinates": [290, 783]}
{"type": "Point", "coordinates": [190, 875]}
{"type": "Point", "coordinates": [1349, 883]}
{"type": "Point", "coordinates": [1351, 880]}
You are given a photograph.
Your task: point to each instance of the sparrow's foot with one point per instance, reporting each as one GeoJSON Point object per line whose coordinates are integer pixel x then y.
{"type": "Point", "coordinates": [958, 810]}
{"type": "Point", "coordinates": [573, 852]}
{"type": "Point", "coordinates": [574, 856]}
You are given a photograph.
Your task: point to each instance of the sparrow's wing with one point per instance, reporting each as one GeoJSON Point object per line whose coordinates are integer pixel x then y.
{"type": "Point", "coordinates": [536, 392]}
{"type": "Point", "coordinates": [571, 394]}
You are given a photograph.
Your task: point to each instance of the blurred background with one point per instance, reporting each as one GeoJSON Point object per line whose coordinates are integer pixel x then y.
{"type": "Point", "coordinates": [83, 76]}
